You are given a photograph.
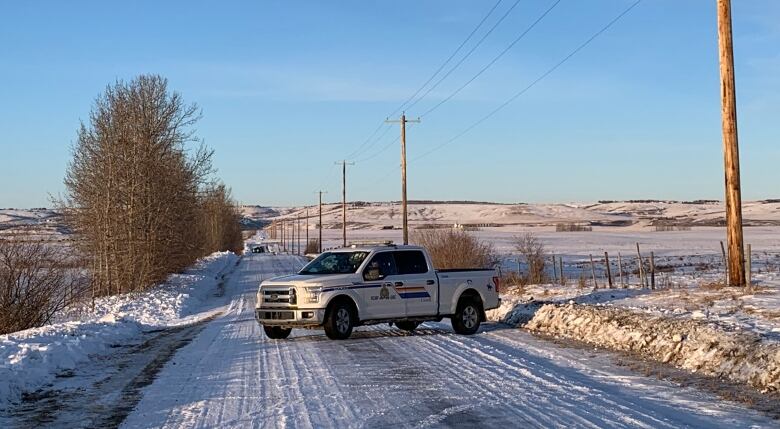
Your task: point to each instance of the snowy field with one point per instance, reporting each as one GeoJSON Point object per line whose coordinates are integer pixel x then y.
{"type": "Point", "coordinates": [637, 215]}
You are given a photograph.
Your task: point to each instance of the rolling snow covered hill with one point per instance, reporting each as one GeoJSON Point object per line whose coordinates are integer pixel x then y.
{"type": "Point", "coordinates": [384, 215]}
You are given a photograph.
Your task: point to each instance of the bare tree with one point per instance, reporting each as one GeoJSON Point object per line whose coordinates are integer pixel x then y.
{"type": "Point", "coordinates": [36, 282]}
{"type": "Point", "coordinates": [455, 249]}
{"type": "Point", "coordinates": [219, 220]}
{"type": "Point", "coordinates": [532, 249]}
{"type": "Point", "coordinates": [133, 186]}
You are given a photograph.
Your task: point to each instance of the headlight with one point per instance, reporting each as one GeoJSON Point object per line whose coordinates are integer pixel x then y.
{"type": "Point", "coordinates": [312, 295]}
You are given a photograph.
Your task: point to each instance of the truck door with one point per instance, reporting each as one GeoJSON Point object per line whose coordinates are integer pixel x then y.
{"type": "Point", "coordinates": [381, 299]}
{"type": "Point", "coordinates": [415, 283]}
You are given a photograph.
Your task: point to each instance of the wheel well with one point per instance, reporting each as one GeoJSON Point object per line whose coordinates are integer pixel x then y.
{"type": "Point", "coordinates": [473, 294]}
{"type": "Point", "coordinates": [339, 299]}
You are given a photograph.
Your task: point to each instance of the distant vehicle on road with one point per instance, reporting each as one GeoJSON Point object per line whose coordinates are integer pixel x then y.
{"type": "Point", "coordinates": [363, 285]}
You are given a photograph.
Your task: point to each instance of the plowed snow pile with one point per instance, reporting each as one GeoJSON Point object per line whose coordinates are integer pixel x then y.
{"type": "Point", "coordinates": [687, 344]}
{"type": "Point", "coordinates": [31, 358]}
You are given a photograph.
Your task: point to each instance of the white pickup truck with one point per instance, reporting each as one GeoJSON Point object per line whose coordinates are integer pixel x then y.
{"type": "Point", "coordinates": [362, 285]}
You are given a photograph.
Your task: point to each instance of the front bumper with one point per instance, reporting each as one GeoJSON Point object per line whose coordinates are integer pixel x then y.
{"type": "Point", "coordinates": [290, 317]}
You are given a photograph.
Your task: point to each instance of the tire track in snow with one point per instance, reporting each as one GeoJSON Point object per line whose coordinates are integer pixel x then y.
{"type": "Point", "coordinates": [525, 381]}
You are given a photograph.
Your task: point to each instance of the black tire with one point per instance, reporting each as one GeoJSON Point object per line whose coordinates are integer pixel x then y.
{"type": "Point", "coordinates": [277, 332]}
{"type": "Point", "coordinates": [340, 321]}
{"type": "Point", "coordinates": [467, 317]}
{"type": "Point", "coordinates": [407, 325]}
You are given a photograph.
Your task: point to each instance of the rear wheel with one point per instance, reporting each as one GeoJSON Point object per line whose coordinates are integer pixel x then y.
{"type": "Point", "coordinates": [466, 319]}
{"type": "Point", "coordinates": [277, 332]}
{"type": "Point", "coordinates": [407, 325]}
{"type": "Point", "coordinates": [340, 321]}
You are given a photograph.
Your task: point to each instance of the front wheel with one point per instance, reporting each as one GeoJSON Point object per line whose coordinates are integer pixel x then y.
{"type": "Point", "coordinates": [466, 319]}
{"type": "Point", "coordinates": [277, 332]}
{"type": "Point", "coordinates": [340, 321]}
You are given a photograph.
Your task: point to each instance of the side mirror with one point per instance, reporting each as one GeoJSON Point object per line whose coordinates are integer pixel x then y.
{"type": "Point", "coordinates": [372, 274]}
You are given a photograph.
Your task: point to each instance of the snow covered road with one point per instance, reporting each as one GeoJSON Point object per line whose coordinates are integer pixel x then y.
{"type": "Point", "coordinates": [231, 375]}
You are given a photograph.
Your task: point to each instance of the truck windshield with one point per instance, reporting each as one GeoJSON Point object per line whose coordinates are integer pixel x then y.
{"type": "Point", "coordinates": [335, 263]}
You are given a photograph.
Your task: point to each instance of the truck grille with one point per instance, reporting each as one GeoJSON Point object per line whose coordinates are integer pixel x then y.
{"type": "Point", "coordinates": [279, 296]}
{"type": "Point", "coordinates": [275, 315]}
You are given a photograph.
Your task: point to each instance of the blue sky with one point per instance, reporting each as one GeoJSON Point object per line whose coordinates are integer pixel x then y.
{"type": "Point", "coordinates": [289, 87]}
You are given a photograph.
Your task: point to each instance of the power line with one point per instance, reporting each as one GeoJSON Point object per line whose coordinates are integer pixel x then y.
{"type": "Point", "coordinates": [519, 93]}
{"type": "Point", "coordinates": [381, 150]}
{"type": "Point", "coordinates": [375, 141]}
{"type": "Point", "coordinates": [493, 61]}
{"type": "Point", "coordinates": [532, 84]}
{"type": "Point", "coordinates": [381, 124]}
{"type": "Point", "coordinates": [447, 61]}
{"type": "Point", "coordinates": [473, 48]}
{"type": "Point", "coordinates": [363, 146]}
{"type": "Point", "coordinates": [328, 177]}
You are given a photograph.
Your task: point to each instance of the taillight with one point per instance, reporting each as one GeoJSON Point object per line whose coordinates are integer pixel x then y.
{"type": "Point", "coordinates": [497, 282]}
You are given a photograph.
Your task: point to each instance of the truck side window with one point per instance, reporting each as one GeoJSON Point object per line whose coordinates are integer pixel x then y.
{"type": "Point", "coordinates": [380, 266]}
{"type": "Point", "coordinates": [410, 262]}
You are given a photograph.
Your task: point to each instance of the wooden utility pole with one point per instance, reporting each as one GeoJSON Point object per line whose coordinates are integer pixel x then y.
{"type": "Point", "coordinates": [403, 122]}
{"type": "Point", "coordinates": [344, 164]}
{"type": "Point", "coordinates": [298, 225]}
{"type": "Point", "coordinates": [307, 230]}
{"type": "Point", "coordinates": [320, 227]}
{"type": "Point", "coordinates": [736, 253]}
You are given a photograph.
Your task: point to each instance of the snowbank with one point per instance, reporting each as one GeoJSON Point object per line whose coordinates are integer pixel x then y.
{"type": "Point", "coordinates": [31, 358]}
{"type": "Point", "coordinates": [687, 344]}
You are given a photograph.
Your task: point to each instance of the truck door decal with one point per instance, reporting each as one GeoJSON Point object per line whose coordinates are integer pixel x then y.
{"type": "Point", "coordinates": [407, 292]}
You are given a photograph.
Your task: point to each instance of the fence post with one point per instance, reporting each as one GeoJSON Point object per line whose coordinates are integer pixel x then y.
{"type": "Point", "coordinates": [593, 273]}
{"type": "Point", "coordinates": [560, 265]}
{"type": "Point", "coordinates": [748, 267]}
{"type": "Point", "coordinates": [620, 271]}
{"type": "Point", "coordinates": [725, 264]}
{"type": "Point", "coordinates": [555, 272]}
{"type": "Point", "coordinates": [609, 270]}
{"type": "Point", "coordinates": [641, 267]}
{"type": "Point", "coordinates": [652, 270]}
